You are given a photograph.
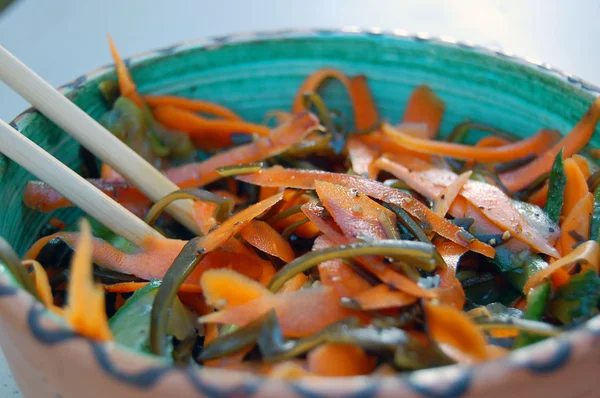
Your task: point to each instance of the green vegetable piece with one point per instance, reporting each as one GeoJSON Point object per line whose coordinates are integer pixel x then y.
{"type": "Point", "coordinates": [537, 301]}
{"type": "Point", "coordinates": [595, 226]}
{"type": "Point", "coordinates": [532, 265]}
{"type": "Point", "coordinates": [406, 352]}
{"type": "Point", "coordinates": [338, 136]}
{"type": "Point", "coordinates": [556, 190]}
{"type": "Point", "coordinates": [110, 91]}
{"type": "Point", "coordinates": [577, 299]}
{"type": "Point", "coordinates": [416, 253]}
{"type": "Point", "coordinates": [491, 291]}
{"type": "Point", "coordinates": [9, 259]}
{"type": "Point", "coordinates": [222, 211]}
{"type": "Point", "coordinates": [181, 268]}
{"type": "Point", "coordinates": [234, 341]}
{"type": "Point", "coordinates": [131, 324]}
{"type": "Point", "coordinates": [239, 169]}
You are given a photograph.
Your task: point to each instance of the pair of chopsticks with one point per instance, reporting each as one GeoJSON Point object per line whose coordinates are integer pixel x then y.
{"type": "Point", "coordinates": [104, 145]}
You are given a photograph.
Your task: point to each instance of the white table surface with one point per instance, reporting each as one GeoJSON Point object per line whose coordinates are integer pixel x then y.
{"type": "Point", "coordinates": [62, 39]}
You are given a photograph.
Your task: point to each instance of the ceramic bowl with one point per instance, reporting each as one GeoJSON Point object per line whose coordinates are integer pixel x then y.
{"type": "Point", "coordinates": [259, 72]}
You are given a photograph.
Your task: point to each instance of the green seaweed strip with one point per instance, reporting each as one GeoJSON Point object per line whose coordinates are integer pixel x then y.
{"type": "Point", "coordinates": [537, 301]}
{"type": "Point", "coordinates": [595, 227]}
{"type": "Point", "coordinates": [11, 260]}
{"type": "Point", "coordinates": [417, 253]}
{"type": "Point", "coordinates": [221, 213]}
{"type": "Point", "coordinates": [181, 268]}
{"type": "Point", "coordinates": [556, 191]}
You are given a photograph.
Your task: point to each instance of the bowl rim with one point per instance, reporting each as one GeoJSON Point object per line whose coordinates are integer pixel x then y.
{"type": "Point", "coordinates": [545, 356]}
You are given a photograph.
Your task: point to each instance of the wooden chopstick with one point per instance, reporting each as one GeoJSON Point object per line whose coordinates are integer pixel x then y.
{"type": "Point", "coordinates": [72, 186]}
{"type": "Point", "coordinates": [92, 135]}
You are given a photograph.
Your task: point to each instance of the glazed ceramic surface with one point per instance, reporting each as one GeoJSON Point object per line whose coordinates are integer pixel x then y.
{"type": "Point", "coordinates": [253, 74]}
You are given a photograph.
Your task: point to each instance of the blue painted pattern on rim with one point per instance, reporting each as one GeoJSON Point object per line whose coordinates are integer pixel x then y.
{"type": "Point", "coordinates": [556, 355]}
{"type": "Point", "coordinates": [43, 335]}
{"type": "Point", "coordinates": [7, 290]}
{"type": "Point", "coordinates": [144, 379]}
{"type": "Point", "coordinates": [247, 389]}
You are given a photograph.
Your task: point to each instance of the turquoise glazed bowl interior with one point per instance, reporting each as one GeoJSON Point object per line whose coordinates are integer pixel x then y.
{"type": "Point", "coordinates": [253, 74]}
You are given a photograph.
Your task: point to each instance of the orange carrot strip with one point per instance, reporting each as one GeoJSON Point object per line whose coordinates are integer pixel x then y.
{"type": "Point", "coordinates": [492, 141]}
{"type": "Point", "coordinates": [108, 173]}
{"type": "Point", "coordinates": [305, 179]}
{"type": "Point", "coordinates": [312, 83]}
{"type": "Point", "coordinates": [424, 106]}
{"type": "Point", "coordinates": [540, 196]}
{"type": "Point", "coordinates": [265, 192]}
{"type": "Point", "coordinates": [494, 203]}
{"type": "Point", "coordinates": [300, 313]}
{"type": "Point", "coordinates": [570, 144]}
{"type": "Point", "coordinates": [262, 236]}
{"type": "Point", "coordinates": [41, 197]}
{"type": "Point", "coordinates": [361, 155]}
{"type": "Point", "coordinates": [450, 291]}
{"type": "Point", "coordinates": [500, 210]}
{"type": "Point", "coordinates": [42, 285]}
{"type": "Point", "coordinates": [381, 296]}
{"type": "Point", "coordinates": [268, 271]}
{"type": "Point", "coordinates": [128, 287]}
{"type": "Point", "coordinates": [365, 111]}
{"type": "Point", "coordinates": [339, 360]}
{"type": "Point", "coordinates": [337, 274]}
{"type": "Point", "coordinates": [587, 253]}
{"type": "Point", "coordinates": [206, 133]}
{"type": "Point", "coordinates": [195, 301]}
{"type": "Point", "coordinates": [419, 130]}
{"type": "Point", "coordinates": [126, 84]}
{"type": "Point", "coordinates": [194, 105]}
{"type": "Point", "coordinates": [203, 215]}
{"type": "Point", "coordinates": [355, 213]}
{"type": "Point", "coordinates": [86, 310]}
{"type": "Point", "coordinates": [295, 198]}
{"type": "Point", "coordinates": [384, 143]}
{"type": "Point", "coordinates": [294, 284]}
{"type": "Point", "coordinates": [157, 255]}
{"type": "Point", "coordinates": [451, 326]}
{"type": "Point", "coordinates": [236, 222]}
{"type": "Point", "coordinates": [583, 164]}
{"type": "Point", "coordinates": [578, 220]}
{"type": "Point", "coordinates": [486, 142]}
{"type": "Point", "coordinates": [576, 187]}
{"type": "Point", "coordinates": [409, 161]}
{"type": "Point", "coordinates": [444, 201]}
{"type": "Point", "coordinates": [481, 154]}
{"type": "Point", "coordinates": [343, 204]}
{"type": "Point", "coordinates": [57, 223]}
{"type": "Point", "coordinates": [281, 139]}
{"type": "Point", "coordinates": [395, 279]}
{"type": "Point", "coordinates": [224, 288]}
{"type": "Point", "coordinates": [560, 277]}
{"type": "Point", "coordinates": [414, 179]}
{"type": "Point", "coordinates": [328, 227]}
